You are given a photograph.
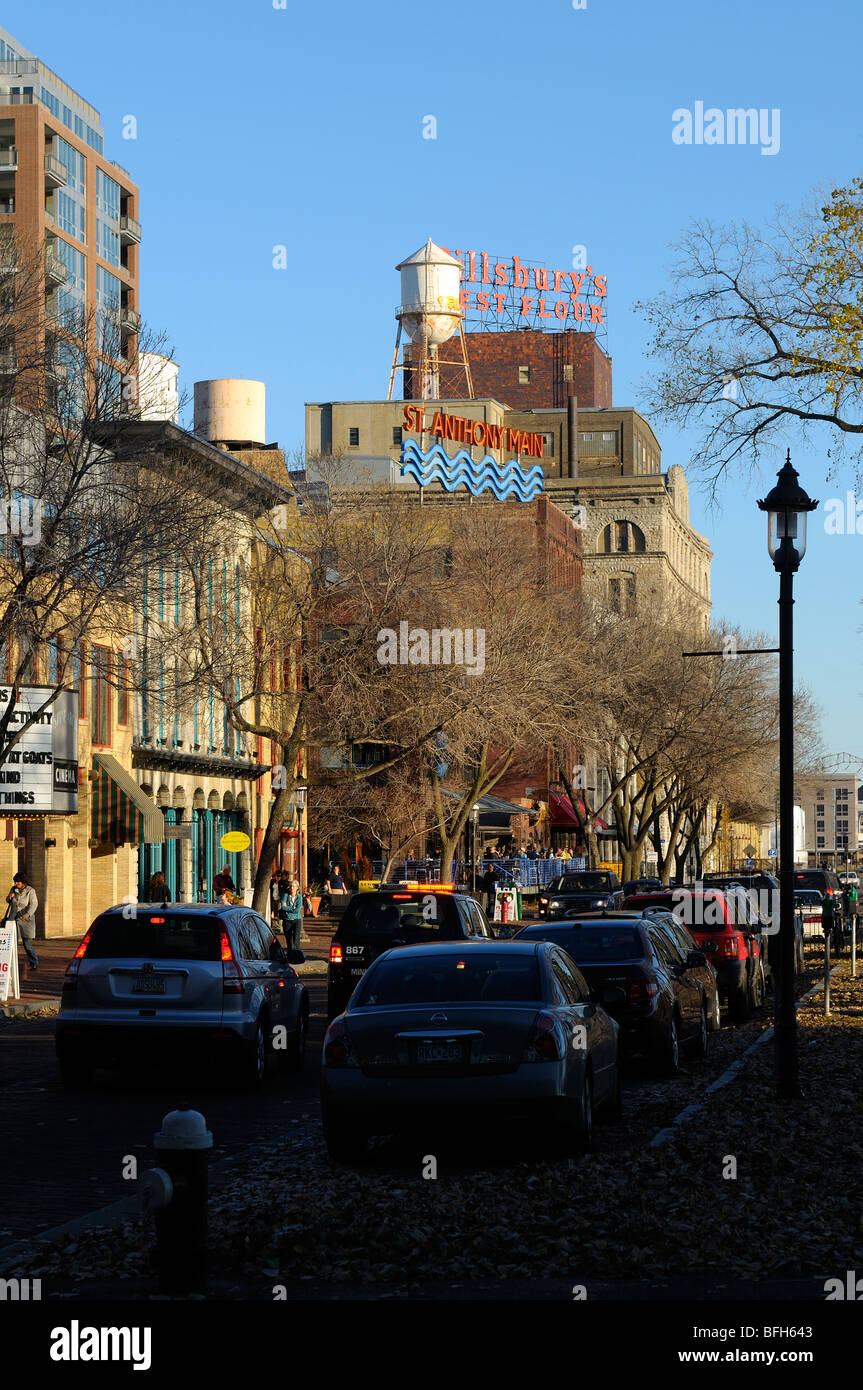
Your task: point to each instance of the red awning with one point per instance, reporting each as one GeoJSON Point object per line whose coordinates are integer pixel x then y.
{"type": "Point", "coordinates": [562, 815]}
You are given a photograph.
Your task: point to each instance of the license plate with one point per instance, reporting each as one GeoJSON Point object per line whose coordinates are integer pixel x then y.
{"type": "Point", "coordinates": [357, 970]}
{"type": "Point", "coordinates": [148, 984]}
{"type": "Point", "coordinates": [439, 1052]}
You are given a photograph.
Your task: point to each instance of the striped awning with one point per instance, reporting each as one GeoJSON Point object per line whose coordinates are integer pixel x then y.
{"type": "Point", "coordinates": [121, 812]}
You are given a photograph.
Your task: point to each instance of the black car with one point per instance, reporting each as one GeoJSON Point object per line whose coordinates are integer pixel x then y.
{"type": "Point", "coordinates": [642, 885]}
{"type": "Point", "coordinates": [685, 944]}
{"type": "Point", "coordinates": [827, 884]}
{"type": "Point", "coordinates": [374, 922]}
{"type": "Point", "coordinates": [580, 892]}
{"type": "Point", "coordinates": [665, 1005]}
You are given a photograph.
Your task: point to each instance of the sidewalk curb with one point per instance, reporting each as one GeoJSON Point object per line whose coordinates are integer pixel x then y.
{"type": "Point", "coordinates": [663, 1135]}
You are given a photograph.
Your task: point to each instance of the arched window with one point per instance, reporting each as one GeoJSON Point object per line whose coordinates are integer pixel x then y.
{"type": "Point", "coordinates": [622, 538]}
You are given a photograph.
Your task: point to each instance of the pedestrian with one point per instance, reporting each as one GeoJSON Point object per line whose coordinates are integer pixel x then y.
{"type": "Point", "coordinates": [335, 887]}
{"type": "Point", "coordinates": [276, 898]}
{"type": "Point", "coordinates": [488, 886]}
{"type": "Point", "coordinates": [23, 903]}
{"type": "Point", "coordinates": [157, 888]}
{"type": "Point", "coordinates": [225, 898]}
{"type": "Point", "coordinates": [292, 914]}
{"type": "Point", "coordinates": [224, 881]}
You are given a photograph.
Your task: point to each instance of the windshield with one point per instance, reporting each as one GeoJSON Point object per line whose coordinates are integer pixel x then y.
{"type": "Point", "coordinates": [491, 977]}
{"type": "Point", "coordinates": [415, 914]}
{"type": "Point", "coordinates": [583, 883]}
{"type": "Point", "coordinates": [605, 942]}
{"type": "Point", "coordinates": [156, 937]}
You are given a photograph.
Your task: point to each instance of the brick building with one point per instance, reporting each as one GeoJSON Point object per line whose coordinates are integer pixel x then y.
{"type": "Point", "coordinates": [532, 370]}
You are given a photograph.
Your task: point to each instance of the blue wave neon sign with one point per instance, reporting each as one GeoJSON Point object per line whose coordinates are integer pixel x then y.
{"type": "Point", "coordinates": [477, 475]}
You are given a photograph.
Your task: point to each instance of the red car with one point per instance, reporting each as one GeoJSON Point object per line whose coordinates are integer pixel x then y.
{"type": "Point", "coordinates": [722, 924]}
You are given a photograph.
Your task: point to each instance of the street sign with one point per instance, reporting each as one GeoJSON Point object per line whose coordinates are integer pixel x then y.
{"type": "Point", "coordinates": [749, 863]}
{"type": "Point", "coordinates": [750, 851]}
{"type": "Point", "coordinates": [9, 963]}
{"type": "Point", "coordinates": [178, 832]}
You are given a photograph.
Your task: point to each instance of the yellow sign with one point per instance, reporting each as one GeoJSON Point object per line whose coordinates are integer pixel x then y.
{"type": "Point", "coordinates": [368, 885]}
{"type": "Point", "coordinates": [614, 866]}
{"type": "Point", "coordinates": [235, 841]}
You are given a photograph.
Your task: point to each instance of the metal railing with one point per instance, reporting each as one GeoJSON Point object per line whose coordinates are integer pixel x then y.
{"type": "Point", "coordinates": [130, 229]}
{"type": "Point", "coordinates": [56, 169]}
{"type": "Point", "coordinates": [9, 159]}
{"type": "Point", "coordinates": [530, 873]}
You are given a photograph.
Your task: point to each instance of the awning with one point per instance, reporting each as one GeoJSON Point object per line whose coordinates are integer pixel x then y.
{"type": "Point", "coordinates": [495, 805]}
{"type": "Point", "coordinates": [122, 813]}
{"type": "Point", "coordinates": [562, 815]}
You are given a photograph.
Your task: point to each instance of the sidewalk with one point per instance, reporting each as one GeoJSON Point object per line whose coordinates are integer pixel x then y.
{"type": "Point", "coordinates": [55, 952]}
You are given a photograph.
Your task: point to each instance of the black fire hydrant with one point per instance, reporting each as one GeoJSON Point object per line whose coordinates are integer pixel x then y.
{"type": "Point", "coordinates": [176, 1191]}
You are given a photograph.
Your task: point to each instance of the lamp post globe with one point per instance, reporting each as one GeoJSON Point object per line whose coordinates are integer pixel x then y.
{"type": "Point", "coordinates": [787, 506]}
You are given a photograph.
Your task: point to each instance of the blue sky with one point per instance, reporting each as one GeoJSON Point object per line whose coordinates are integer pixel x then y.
{"type": "Point", "coordinates": [302, 127]}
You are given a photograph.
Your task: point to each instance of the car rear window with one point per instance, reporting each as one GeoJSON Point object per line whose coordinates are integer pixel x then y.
{"type": "Point", "coordinates": [158, 936]}
{"type": "Point", "coordinates": [494, 977]}
{"type": "Point", "coordinates": [584, 883]}
{"type": "Point", "coordinates": [417, 914]}
{"type": "Point", "coordinates": [605, 942]}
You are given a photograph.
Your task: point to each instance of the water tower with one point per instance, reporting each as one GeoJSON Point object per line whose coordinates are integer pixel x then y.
{"type": "Point", "coordinates": [430, 314]}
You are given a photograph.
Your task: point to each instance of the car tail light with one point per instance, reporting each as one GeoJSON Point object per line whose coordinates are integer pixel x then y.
{"type": "Point", "coordinates": [544, 1043]}
{"type": "Point", "coordinates": [335, 954]}
{"type": "Point", "coordinates": [232, 975]}
{"type": "Point", "coordinates": [70, 980]}
{"type": "Point", "coordinates": [642, 989]}
{"type": "Point", "coordinates": [338, 1051]}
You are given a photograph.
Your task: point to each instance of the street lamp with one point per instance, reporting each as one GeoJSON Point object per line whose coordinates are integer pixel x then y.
{"type": "Point", "coordinates": [786, 506]}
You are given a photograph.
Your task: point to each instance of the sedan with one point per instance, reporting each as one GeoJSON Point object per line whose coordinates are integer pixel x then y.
{"type": "Point", "coordinates": [662, 1005]}
{"type": "Point", "coordinates": [467, 1029]}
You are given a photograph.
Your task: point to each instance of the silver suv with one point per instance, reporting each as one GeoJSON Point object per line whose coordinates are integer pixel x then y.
{"type": "Point", "coordinates": [169, 981]}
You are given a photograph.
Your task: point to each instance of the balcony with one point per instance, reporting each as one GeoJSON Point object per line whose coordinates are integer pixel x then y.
{"type": "Point", "coordinates": [7, 205]}
{"type": "Point", "coordinates": [18, 67]}
{"type": "Point", "coordinates": [130, 232]}
{"type": "Point", "coordinates": [8, 160]}
{"type": "Point", "coordinates": [55, 172]}
{"type": "Point", "coordinates": [56, 273]}
{"type": "Point", "coordinates": [130, 320]}
{"type": "Point", "coordinates": [16, 98]}
{"type": "Point", "coordinates": [8, 361]}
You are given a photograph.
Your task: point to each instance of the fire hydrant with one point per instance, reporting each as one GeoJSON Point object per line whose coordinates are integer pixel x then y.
{"type": "Point", "coordinates": [176, 1192]}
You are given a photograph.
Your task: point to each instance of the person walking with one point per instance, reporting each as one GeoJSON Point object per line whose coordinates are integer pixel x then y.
{"type": "Point", "coordinates": [157, 888]}
{"type": "Point", "coordinates": [488, 885]}
{"type": "Point", "coordinates": [23, 903]}
{"type": "Point", "coordinates": [224, 881]}
{"type": "Point", "coordinates": [292, 914]}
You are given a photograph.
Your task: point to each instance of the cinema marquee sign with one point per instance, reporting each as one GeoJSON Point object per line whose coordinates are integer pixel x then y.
{"type": "Point", "coordinates": [506, 289]}
{"type": "Point", "coordinates": [39, 775]}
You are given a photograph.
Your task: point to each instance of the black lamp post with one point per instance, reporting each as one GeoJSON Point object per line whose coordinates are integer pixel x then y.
{"type": "Point", "coordinates": [786, 505]}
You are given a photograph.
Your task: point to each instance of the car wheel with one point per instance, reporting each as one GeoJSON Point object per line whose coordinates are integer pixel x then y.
{"type": "Point", "coordinates": [294, 1055]}
{"type": "Point", "coordinates": [344, 1145]}
{"type": "Point", "coordinates": [76, 1073]}
{"type": "Point", "coordinates": [715, 1015]}
{"type": "Point", "coordinates": [671, 1050]}
{"type": "Point", "coordinates": [614, 1108]}
{"type": "Point", "coordinates": [699, 1047]}
{"type": "Point", "coordinates": [256, 1058]}
{"type": "Point", "coordinates": [740, 1002]}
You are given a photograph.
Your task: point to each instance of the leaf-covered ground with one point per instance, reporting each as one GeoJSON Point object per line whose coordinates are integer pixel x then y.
{"type": "Point", "coordinates": [508, 1209]}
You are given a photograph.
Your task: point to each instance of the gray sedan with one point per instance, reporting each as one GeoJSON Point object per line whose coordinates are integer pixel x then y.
{"type": "Point", "coordinates": [466, 1028]}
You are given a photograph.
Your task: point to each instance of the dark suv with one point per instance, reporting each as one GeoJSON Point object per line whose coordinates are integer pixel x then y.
{"type": "Point", "coordinates": [374, 922]}
{"type": "Point", "coordinates": [580, 892]}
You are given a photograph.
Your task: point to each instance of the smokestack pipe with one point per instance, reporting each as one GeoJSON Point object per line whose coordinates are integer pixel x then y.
{"type": "Point", "coordinates": [572, 434]}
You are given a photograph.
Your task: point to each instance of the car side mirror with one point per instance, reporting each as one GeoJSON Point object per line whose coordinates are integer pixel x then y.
{"type": "Point", "coordinates": [695, 959]}
{"type": "Point", "coordinates": [295, 957]}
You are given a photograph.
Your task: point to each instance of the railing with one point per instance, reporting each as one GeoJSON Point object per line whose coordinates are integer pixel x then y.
{"type": "Point", "coordinates": [17, 98]}
{"type": "Point", "coordinates": [55, 169]}
{"type": "Point", "coordinates": [9, 159]}
{"type": "Point", "coordinates": [18, 67]}
{"type": "Point", "coordinates": [7, 204]}
{"type": "Point", "coordinates": [531, 873]}
{"type": "Point", "coordinates": [130, 229]}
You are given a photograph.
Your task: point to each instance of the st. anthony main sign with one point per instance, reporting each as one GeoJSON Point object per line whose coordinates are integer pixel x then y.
{"type": "Point", "coordinates": [39, 775]}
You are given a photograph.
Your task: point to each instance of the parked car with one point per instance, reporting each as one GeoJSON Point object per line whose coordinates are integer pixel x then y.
{"type": "Point", "coordinates": [177, 980]}
{"type": "Point", "coordinates": [687, 945]}
{"type": "Point", "coordinates": [723, 924]}
{"type": "Point", "coordinates": [571, 893]}
{"type": "Point", "coordinates": [468, 1028]}
{"type": "Point", "coordinates": [808, 902]}
{"type": "Point", "coordinates": [642, 885]}
{"type": "Point", "coordinates": [397, 915]}
{"type": "Point", "coordinates": [763, 892]}
{"type": "Point", "coordinates": [849, 876]}
{"type": "Point", "coordinates": [828, 885]}
{"type": "Point", "coordinates": [664, 1005]}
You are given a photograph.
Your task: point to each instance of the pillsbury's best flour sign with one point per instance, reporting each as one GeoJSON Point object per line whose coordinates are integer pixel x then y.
{"type": "Point", "coordinates": [39, 775]}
